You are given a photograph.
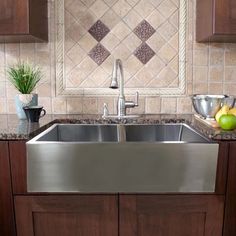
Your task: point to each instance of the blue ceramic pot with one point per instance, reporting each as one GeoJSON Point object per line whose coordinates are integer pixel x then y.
{"type": "Point", "coordinates": [22, 100]}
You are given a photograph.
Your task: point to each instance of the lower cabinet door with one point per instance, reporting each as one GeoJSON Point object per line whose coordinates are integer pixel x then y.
{"type": "Point", "coordinates": [7, 224]}
{"type": "Point", "coordinates": [150, 215]}
{"type": "Point", "coordinates": [67, 215]}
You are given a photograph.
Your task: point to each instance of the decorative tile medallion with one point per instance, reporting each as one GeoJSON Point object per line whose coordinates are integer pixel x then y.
{"type": "Point", "coordinates": [144, 53]}
{"type": "Point", "coordinates": [99, 30]}
{"type": "Point", "coordinates": [99, 54]}
{"type": "Point", "coordinates": [144, 30]}
{"type": "Point", "coordinates": [150, 39]}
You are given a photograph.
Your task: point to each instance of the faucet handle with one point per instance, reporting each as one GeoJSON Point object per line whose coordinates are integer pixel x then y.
{"type": "Point", "coordinates": [130, 104]}
{"type": "Point", "coordinates": [136, 99]}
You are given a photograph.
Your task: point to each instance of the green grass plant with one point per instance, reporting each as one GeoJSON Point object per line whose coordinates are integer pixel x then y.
{"type": "Point", "coordinates": [24, 77]}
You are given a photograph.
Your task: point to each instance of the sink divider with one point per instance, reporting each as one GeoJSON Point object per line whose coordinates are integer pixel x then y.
{"type": "Point", "coordinates": [121, 133]}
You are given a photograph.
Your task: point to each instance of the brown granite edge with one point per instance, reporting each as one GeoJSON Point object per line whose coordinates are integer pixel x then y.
{"type": "Point", "coordinates": [212, 133]}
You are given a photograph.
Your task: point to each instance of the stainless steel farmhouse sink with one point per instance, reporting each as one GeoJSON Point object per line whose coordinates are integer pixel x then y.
{"type": "Point", "coordinates": [126, 158]}
{"type": "Point", "coordinates": [80, 133]}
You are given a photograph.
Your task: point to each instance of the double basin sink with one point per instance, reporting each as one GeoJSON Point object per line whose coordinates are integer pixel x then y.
{"type": "Point", "coordinates": [124, 158]}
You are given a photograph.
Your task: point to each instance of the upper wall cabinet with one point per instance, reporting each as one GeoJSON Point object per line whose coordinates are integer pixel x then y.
{"type": "Point", "coordinates": [23, 21]}
{"type": "Point", "coordinates": [216, 21]}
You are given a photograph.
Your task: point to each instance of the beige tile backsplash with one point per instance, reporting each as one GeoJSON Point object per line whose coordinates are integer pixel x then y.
{"type": "Point", "coordinates": [210, 68]}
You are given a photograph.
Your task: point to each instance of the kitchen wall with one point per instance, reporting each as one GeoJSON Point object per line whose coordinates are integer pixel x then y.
{"type": "Point", "coordinates": [211, 68]}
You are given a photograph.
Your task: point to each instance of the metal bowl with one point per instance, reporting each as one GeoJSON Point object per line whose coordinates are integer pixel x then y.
{"type": "Point", "coordinates": [208, 105]}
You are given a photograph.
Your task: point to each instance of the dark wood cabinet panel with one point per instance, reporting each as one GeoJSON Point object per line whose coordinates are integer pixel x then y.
{"type": "Point", "coordinates": [14, 17]}
{"type": "Point", "coordinates": [222, 168]}
{"type": "Point", "coordinates": [83, 215]}
{"type": "Point", "coordinates": [216, 21]}
{"type": "Point", "coordinates": [23, 20]}
{"type": "Point", "coordinates": [7, 225]}
{"type": "Point", "coordinates": [18, 166]}
{"type": "Point", "coordinates": [225, 20]}
{"type": "Point", "coordinates": [230, 200]}
{"type": "Point", "coordinates": [154, 215]}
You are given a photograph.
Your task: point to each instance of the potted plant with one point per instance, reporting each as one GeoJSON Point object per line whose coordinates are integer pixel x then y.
{"type": "Point", "coordinates": [24, 78]}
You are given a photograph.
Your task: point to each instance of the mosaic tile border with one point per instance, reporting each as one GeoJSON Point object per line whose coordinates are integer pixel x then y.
{"type": "Point", "coordinates": [62, 90]}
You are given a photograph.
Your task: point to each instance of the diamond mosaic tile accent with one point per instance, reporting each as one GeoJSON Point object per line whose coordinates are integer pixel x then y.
{"type": "Point", "coordinates": [99, 30]}
{"type": "Point", "coordinates": [144, 30]}
{"type": "Point", "coordinates": [142, 33]}
{"type": "Point", "coordinates": [144, 53]}
{"type": "Point", "coordinates": [99, 54]}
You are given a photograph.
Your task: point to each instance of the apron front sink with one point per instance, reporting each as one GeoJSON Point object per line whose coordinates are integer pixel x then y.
{"type": "Point", "coordinates": [168, 158]}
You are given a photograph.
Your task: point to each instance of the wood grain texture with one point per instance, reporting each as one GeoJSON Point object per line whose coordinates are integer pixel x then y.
{"type": "Point", "coordinates": [15, 17]}
{"type": "Point", "coordinates": [204, 19]}
{"type": "Point", "coordinates": [216, 21]}
{"type": "Point", "coordinates": [18, 166]}
{"type": "Point", "coordinates": [222, 168]}
{"type": "Point", "coordinates": [155, 215]}
{"type": "Point", "coordinates": [83, 215]}
{"type": "Point", "coordinates": [7, 225]}
{"type": "Point", "coordinates": [230, 201]}
{"type": "Point", "coordinates": [23, 20]}
{"type": "Point", "coordinates": [225, 20]}
{"type": "Point", "coordinates": [38, 12]}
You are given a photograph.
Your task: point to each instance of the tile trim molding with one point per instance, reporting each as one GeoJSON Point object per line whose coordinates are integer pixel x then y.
{"type": "Point", "coordinates": [62, 90]}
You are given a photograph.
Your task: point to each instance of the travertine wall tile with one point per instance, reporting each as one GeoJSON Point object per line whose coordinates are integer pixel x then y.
{"type": "Point", "coordinates": [189, 88]}
{"type": "Point", "coordinates": [215, 88]}
{"type": "Point", "coordinates": [44, 90]}
{"type": "Point", "coordinates": [230, 74]}
{"type": "Point", "coordinates": [2, 89]}
{"type": "Point", "coordinates": [201, 57]}
{"type": "Point", "coordinates": [200, 88]}
{"type": "Point", "coordinates": [90, 105]}
{"type": "Point", "coordinates": [59, 105]}
{"type": "Point", "coordinates": [46, 102]}
{"type": "Point", "coordinates": [210, 67]}
{"type": "Point", "coordinates": [2, 73]}
{"type": "Point", "coordinates": [10, 90]}
{"type": "Point", "coordinates": [184, 105]}
{"type": "Point", "coordinates": [216, 74]}
{"type": "Point", "coordinates": [74, 105]}
{"type": "Point", "coordinates": [153, 105]}
{"type": "Point", "coordinates": [121, 8]}
{"type": "Point", "coordinates": [3, 106]}
{"type": "Point", "coordinates": [200, 74]}
{"type": "Point", "coordinates": [140, 28]}
{"type": "Point", "coordinates": [11, 109]}
{"type": "Point", "coordinates": [168, 105]}
{"type": "Point", "coordinates": [230, 57]}
{"type": "Point", "coordinates": [230, 88]}
{"type": "Point", "coordinates": [216, 57]}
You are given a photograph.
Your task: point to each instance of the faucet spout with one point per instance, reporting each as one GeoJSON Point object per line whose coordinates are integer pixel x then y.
{"type": "Point", "coordinates": [118, 74]}
{"type": "Point", "coordinates": [118, 71]}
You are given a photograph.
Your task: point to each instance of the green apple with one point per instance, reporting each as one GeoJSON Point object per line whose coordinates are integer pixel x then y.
{"type": "Point", "coordinates": [228, 122]}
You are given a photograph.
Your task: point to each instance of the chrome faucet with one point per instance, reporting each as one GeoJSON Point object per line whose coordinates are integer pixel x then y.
{"type": "Point", "coordinates": [122, 104]}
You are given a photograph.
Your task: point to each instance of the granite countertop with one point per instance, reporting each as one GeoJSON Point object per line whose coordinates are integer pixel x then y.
{"type": "Point", "coordinates": [11, 128]}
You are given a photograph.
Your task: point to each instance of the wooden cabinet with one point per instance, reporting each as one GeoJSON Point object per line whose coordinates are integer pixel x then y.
{"type": "Point", "coordinates": [230, 200]}
{"type": "Point", "coordinates": [83, 215]}
{"type": "Point", "coordinates": [23, 20]}
{"type": "Point", "coordinates": [17, 151]}
{"type": "Point", "coordinates": [216, 21]}
{"type": "Point", "coordinates": [155, 215]}
{"type": "Point", "coordinates": [98, 215]}
{"type": "Point", "coordinates": [7, 226]}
